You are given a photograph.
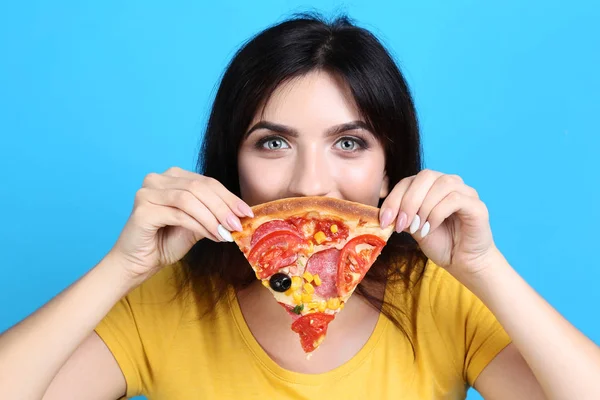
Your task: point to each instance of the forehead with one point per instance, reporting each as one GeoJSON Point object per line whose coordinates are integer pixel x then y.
{"type": "Point", "coordinates": [317, 99]}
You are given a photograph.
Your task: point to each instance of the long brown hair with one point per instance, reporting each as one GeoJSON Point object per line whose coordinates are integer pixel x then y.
{"type": "Point", "coordinates": [289, 49]}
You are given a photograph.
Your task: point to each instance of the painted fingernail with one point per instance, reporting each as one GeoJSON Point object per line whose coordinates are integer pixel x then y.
{"type": "Point", "coordinates": [224, 233]}
{"type": "Point", "coordinates": [425, 229]}
{"type": "Point", "coordinates": [246, 210]}
{"type": "Point", "coordinates": [386, 218]}
{"type": "Point", "coordinates": [416, 223]}
{"type": "Point", "coordinates": [234, 222]}
{"type": "Point", "coordinates": [401, 222]}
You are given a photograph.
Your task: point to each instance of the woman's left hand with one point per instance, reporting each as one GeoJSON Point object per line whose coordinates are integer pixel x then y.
{"type": "Point", "coordinates": [445, 216]}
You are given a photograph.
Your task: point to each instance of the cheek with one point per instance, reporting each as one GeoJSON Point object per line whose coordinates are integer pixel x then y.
{"type": "Point", "coordinates": [361, 182]}
{"type": "Point", "coordinates": [260, 181]}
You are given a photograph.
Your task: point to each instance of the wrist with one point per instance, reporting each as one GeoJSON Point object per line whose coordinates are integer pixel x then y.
{"type": "Point", "coordinates": [115, 269]}
{"type": "Point", "coordinates": [484, 269]}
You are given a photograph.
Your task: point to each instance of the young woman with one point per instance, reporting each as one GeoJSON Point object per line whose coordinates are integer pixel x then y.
{"type": "Point", "coordinates": [173, 311]}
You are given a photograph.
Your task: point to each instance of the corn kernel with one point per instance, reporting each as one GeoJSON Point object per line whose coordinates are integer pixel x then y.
{"type": "Point", "coordinates": [317, 279]}
{"type": "Point", "coordinates": [308, 288]}
{"type": "Point", "coordinates": [320, 237]}
{"type": "Point", "coordinates": [313, 304]}
{"type": "Point", "coordinates": [289, 292]}
{"type": "Point", "coordinates": [297, 298]}
{"type": "Point", "coordinates": [322, 305]}
{"type": "Point", "coordinates": [308, 276]}
{"type": "Point", "coordinates": [306, 297]}
{"type": "Point", "coordinates": [296, 282]}
{"type": "Point", "coordinates": [334, 228]}
{"type": "Point", "coordinates": [333, 303]}
{"type": "Point", "coordinates": [342, 306]}
{"type": "Point", "coordinates": [265, 283]}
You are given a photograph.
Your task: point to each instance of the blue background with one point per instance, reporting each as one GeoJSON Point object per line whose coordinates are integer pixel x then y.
{"type": "Point", "coordinates": [95, 96]}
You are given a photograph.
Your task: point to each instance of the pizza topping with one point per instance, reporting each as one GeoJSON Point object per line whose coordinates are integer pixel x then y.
{"type": "Point", "coordinates": [297, 297]}
{"type": "Point", "coordinates": [333, 303]}
{"type": "Point", "coordinates": [280, 282]}
{"type": "Point", "coordinates": [308, 288]}
{"type": "Point", "coordinates": [320, 230]}
{"type": "Point", "coordinates": [296, 282]}
{"type": "Point", "coordinates": [273, 252]}
{"type": "Point", "coordinates": [298, 309]}
{"type": "Point", "coordinates": [306, 297]}
{"type": "Point", "coordinates": [270, 227]}
{"type": "Point", "coordinates": [324, 264]}
{"type": "Point", "coordinates": [290, 310]}
{"type": "Point", "coordinates": [312, 329]}
{"type": "Point", "coordinates": [320, 237]}
{"type": "Point", "coordinates": [308, 276]}
{"type": "Point", "coordinates": [317, 279]}
{"type": "Point", "coordinates": [355, 260]}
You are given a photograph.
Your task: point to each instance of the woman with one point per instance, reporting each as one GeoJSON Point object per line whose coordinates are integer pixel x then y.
{"type": "Point", "coordinates": [305, 108]}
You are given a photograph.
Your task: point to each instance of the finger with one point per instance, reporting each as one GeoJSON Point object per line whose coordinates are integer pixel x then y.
{"type": "Point", "coordinates": [188, 203]}
{"type": "Point", "coordinates": [391, 205]}
{"type": "Point", "coordinates": [414, 197]}
{"type": "Point", "coordinates": [465, 206]}
{"type": "Point", "coordinates": [237, 205]}
{"type": "Point", "coordinates": [207, 191]}
{"type": "Point", "coordinates": [442, 186]}
{"type": "Point", "coordinates": [162, 216]}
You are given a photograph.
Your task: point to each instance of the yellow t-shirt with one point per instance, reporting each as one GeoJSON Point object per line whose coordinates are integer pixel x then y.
{"type": "Point", "coordinates": [167, 352]}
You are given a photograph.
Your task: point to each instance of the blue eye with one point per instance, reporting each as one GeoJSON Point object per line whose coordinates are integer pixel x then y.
{"type": "Point", "coordinates": [351, 144]}
{"type": "Point", "coordinates": [273, 143]}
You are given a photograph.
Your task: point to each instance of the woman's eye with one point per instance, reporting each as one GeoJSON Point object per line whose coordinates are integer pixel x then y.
{"type": "Point", "coordinates": [348, 144]}
{"type": "Point", "coordinates": [274, 144]}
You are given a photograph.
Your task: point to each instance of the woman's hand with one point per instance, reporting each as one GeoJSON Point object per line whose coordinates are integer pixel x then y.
{"type": "Point", "coordinates": [445, 216]}
{"type": "Point", "coordinates": [172, 211]}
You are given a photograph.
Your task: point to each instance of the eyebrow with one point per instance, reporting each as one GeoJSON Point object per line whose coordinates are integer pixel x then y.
{"type": "Point", "coordinates": [334, 130]}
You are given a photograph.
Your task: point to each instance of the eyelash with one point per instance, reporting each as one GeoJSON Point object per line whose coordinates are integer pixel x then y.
{"type": "Point", "coordinates": [362, 143]}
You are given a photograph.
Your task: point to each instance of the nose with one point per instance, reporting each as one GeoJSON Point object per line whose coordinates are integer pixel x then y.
{"type": "Point", "coordinates": [310, 176]}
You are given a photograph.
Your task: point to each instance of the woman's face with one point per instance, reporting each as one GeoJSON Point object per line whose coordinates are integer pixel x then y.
{"type": "Point", "coordinates": [309, 140]}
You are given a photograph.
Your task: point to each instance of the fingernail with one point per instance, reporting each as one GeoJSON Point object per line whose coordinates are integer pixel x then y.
{"type": "Point", "coordinates": [425, 229]}
{"type": "Point", "coordinates": [401, 222]}
{"type": "Point", "coordinates": [416, 223]}
{"type": "Point", "coordinates": [224, 233]}
{"type": "Point", "coordinates": [246, 210]}
{"type": "Point", "coordinates": [234, 223]}
{"type": "Point", "coordinates": [386, 218]}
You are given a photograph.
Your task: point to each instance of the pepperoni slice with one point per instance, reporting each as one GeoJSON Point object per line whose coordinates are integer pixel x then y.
{"type": "Point", "coordinates": [273, 252]}
{"type": "Point", "coordinates": [312, 329]}
{"type": "Point", "coordinates": [270, 227]}
{"type": "Point", "coordinates": [355, 261]}
{"type": "Point", "coordinates": [325, 264]}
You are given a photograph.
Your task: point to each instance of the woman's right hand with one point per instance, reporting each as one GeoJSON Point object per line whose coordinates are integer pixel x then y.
{"type": "Point", "coordinates": [172, 211]}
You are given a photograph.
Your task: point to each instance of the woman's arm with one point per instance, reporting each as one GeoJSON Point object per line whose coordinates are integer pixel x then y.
{"type": "Point", "coordinates": [33, 351]}
{"type": "Point", "coordinates": [565, 362]}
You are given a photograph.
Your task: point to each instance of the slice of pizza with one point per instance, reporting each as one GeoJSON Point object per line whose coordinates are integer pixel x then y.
{"type": "Point", "coordinates": [311, 253]}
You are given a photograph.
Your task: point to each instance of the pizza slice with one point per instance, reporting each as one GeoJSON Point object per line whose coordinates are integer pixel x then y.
{"type": "Point", "coordinates": [311, 253]}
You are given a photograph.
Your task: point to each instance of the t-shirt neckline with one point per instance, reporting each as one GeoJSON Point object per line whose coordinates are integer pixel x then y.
{"type": "Point", "coordinates": [297, 377]}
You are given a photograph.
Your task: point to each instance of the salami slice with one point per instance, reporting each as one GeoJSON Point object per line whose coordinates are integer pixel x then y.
{"type": "Point", "coordinates": [272, 226]}
{"type": "Point", "coordinates": [325, 264]}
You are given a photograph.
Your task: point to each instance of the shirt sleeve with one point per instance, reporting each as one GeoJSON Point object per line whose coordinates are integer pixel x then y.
{"type": "Point", "coordinates": [468, 327]}
{"type": "Point", "coordinates": [139, 328]}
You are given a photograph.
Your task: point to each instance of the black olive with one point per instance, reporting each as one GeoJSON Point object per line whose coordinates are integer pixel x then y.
{"type": "Point", "coordinates": [280, 282]}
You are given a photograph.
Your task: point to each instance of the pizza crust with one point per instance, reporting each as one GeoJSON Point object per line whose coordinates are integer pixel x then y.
{"type": "Point", "coordinates": [323, 206]}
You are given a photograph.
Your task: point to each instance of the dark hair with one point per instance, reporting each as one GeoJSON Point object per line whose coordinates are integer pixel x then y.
{"type": "Point", "coordinates": [290, 49]}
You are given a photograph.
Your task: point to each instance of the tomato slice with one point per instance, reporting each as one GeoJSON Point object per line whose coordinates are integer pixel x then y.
{"type": "Point", "coordinates": [273, 252]}
{"type": "Point", "coordinates": [277, 225]}
{"type": "Point", "coordinates": [354, 265]}
{"type": "Point", "coordinates": [312, 329]}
